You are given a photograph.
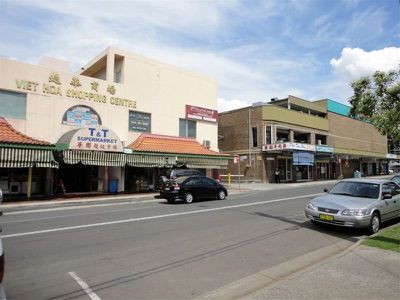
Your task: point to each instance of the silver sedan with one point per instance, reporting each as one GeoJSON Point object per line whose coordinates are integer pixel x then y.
{"type": "Point", "coordinates": [357, 203]}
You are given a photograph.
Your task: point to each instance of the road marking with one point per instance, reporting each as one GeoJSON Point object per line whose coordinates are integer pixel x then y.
{"type": "Point", "coordinates": [32, 211]}
{"type": "Point", "coordinates": [77, 215]}
{"type": "Point", "coordinates": [155, 217]}
{"type": "Point", "coordinates": [84, 286]}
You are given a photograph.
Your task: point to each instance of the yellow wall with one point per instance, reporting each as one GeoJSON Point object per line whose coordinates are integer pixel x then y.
{"type": "Point", "coordinates": [279, 114]}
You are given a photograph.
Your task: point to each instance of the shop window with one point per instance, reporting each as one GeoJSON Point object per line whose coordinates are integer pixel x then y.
{"type": "Point", "coordinates": [187, 128]}
{"type": "Point", "coordinates": [12, 105]}
{"type": "Point", "coordinates": [254, 136]}
{"type": "Point", "coordinates": [139, 121]}
{"type": "Point", "coordinates": [268, 138]}
{"type": "Point", "coordinates": [320, 139]}
{"type": "Point", "coordinates": [282, 135]}
{"type": "Point", "coordinates": [81, 115]}
{"type": "Point", "coordinates": [300, 137]}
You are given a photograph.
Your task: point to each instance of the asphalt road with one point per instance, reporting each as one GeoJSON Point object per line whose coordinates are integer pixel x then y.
{"type": "Point", "coordinates": [155, 250]}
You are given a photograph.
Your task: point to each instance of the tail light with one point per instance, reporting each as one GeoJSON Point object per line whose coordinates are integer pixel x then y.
{"type": "Point", "coordinates": [177, 187]}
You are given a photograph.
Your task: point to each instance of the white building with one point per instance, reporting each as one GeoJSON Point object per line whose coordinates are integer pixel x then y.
{"type": "Point", "coordinates": [94, 117]}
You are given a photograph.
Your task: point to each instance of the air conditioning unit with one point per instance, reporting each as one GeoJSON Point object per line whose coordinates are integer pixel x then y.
{"type": "Point", "coordinates": [206, 143]}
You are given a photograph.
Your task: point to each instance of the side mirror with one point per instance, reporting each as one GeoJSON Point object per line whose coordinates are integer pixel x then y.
{"type": "Point", "coordinates": [386, 195]}
{"type": "Point", "coordinates": [325, 190]}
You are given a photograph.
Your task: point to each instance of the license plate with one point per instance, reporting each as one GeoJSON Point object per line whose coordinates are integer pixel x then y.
{"type": "Point", "coordinates": [326, 217]}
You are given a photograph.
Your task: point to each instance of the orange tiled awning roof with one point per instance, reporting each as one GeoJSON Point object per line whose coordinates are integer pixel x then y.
{"type": "Point", "coordinates": [8, 135]}
{"type": "Point", "coordinates": [170, 144]}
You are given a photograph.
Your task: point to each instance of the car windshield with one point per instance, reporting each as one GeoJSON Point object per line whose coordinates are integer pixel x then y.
{"type": "Point", "coordinates": [396, 179]}
{"type": "Point", "coordinates": [356, 189]}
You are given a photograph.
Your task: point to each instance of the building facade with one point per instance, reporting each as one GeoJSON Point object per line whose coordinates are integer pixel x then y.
{"type": "Point", "coordinates": [92, 116]}
{"type": "Point", "coordinates": [298, 140]}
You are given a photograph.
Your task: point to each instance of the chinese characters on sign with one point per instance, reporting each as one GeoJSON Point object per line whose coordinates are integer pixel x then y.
{"type": "Point", "coordinates": [297, 146]}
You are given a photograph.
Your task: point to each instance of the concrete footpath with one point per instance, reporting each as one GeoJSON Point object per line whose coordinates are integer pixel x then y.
{"type": "Point", "coordinates": [332, 272]}
{"type": "Point", "coordinates": [358, 272]}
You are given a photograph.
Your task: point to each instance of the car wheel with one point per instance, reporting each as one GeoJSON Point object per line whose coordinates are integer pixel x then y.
{"type": "Point", "coordinates": [374, 224]}
{"type": "Point", "coordinates": [172, 201]}
{"type": "Point", "coordinates": [221, 195]}
{"type": "Point", "coordinates": [188, 198]}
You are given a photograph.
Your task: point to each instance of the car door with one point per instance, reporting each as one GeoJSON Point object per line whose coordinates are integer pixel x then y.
{"type": "Point", "coordinates": [194, 185]}
{"type": "Point", "coordinates": [210, 188]}
{"type": "Point", "coordinates": [390, 206]}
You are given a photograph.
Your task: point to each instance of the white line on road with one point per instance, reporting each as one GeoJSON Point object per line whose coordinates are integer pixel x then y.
{"type": "Point", "coordinates": [33, 211]}
{"type": "Point", "coordinates": [155, 217]}
{"type": "Point", "coordinates": [84, 286]}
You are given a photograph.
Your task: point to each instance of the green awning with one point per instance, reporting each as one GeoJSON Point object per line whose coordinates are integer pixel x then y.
{"type": "Point", "coordinates": [94, 158]}
{"type": "Point", "coordinates": [203, 162]}
{"type": "Point", "coordinates": [149, 161]}
{"type": "Point", "coordinates": [26, 158]}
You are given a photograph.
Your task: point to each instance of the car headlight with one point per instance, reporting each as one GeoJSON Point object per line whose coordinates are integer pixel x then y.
{"type": "Point", "coordinates": [311, 206]}
{"type": "Point", "coordinates": [355, 212]}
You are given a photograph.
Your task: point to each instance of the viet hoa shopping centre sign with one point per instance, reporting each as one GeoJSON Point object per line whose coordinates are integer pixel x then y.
{"type": "Point", "coordinates": [75, 89]}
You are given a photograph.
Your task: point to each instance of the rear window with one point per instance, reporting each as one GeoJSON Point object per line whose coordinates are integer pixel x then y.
{"type": "Point", "coordinates": [181, 179]}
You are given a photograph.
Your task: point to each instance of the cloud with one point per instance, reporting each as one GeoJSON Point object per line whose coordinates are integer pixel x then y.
{"type": "Point", "coordinates": [355, 62]}
{"type": "Point", "coordinates": [226, 105]}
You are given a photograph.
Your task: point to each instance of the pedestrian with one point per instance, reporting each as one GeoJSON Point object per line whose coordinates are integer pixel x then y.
{"type": "Point", "coordinates": [277, 178]}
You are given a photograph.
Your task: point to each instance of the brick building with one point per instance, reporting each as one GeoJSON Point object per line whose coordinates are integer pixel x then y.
{"type": "Point", "coordinates": [303, 140]}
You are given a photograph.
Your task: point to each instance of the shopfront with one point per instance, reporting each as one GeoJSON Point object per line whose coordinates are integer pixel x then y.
{"type": "Point", "coordinates": [92, 158]}
{"type": "Point", "coordinates": [26, 164]}
{"type": "Point", "coordinates": [300, 162]}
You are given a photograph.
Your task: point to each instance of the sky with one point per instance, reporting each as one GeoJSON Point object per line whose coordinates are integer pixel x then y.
{"type": "Point", "coordinates": [256, 50]}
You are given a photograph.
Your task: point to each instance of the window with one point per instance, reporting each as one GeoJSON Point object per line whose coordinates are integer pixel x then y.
{"type": "Point", "coordinates": [139, 121]}
{"type": "Point", "coordinates": [209, 182]}
{"type": "Point", "coordinates": [12, 105]}
{"type": "Point", "coordinates": [118, 77]}
{"type": "Point", "coordinates": [254, 136]}
{"type": "Point", "coordinates": [300, 137]}
{"type": "Point", "coordinates": [187, 128]}
{"type": "Point", "coordinates": [320, 139]}
{"type": "Point", "coordinates": [268, 139]}
{"type": "Point", "coordinates": [193, 181]}
{"type": "Point", "coordinates": [282, 135]}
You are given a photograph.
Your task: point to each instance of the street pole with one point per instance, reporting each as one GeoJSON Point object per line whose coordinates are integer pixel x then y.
{"type": "Point", "coordinates": [239, 172]}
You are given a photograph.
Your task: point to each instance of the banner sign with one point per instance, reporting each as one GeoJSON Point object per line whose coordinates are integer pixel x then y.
{"type": "Point", "coordinates": [98, 138]}
{"type": "Point", "coordinates": [288, 146]}
{"type": "Point", "coordinates": [202, 114]}
{"type": "Point", "coordinates": [319, 148]}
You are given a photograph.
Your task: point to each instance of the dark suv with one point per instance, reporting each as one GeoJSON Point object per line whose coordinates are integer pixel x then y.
{"type": "Point", "coordinates": [173, 174]}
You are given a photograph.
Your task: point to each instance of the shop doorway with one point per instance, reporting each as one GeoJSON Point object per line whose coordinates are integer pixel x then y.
{"type": "Point", "coordinates": [285, 169]}
{"type": "Point", "coordinates": [79, 178]}
{"type": "Point", "coordinates": [322, 170]}
{"type": "Point", "coordinates": [139, 179]}
{"type": "Point", "coordinates": [303, 173]}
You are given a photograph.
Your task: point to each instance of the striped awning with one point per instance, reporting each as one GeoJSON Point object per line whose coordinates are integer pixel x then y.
{"type": "Point", "coordinates": [203, 162]}
{"type": "Point", "coordinates": [94, 158]}
{"type": "Point", "coordinates": [26, 158]}
{"type": "Point", "coordinates": [148, 161]}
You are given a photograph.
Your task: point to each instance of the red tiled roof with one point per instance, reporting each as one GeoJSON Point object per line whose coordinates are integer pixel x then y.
{"type": "Point", "coordinates": [8, 135]}
{"type": "Point", "coordinates": [170, 144]}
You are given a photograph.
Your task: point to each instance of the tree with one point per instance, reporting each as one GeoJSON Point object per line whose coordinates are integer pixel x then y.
{"type": "Point", "coordinates": [377, 100]}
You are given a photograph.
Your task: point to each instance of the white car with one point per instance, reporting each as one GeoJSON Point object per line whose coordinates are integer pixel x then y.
{"type": "Point", "coordinates": [357, 203]}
